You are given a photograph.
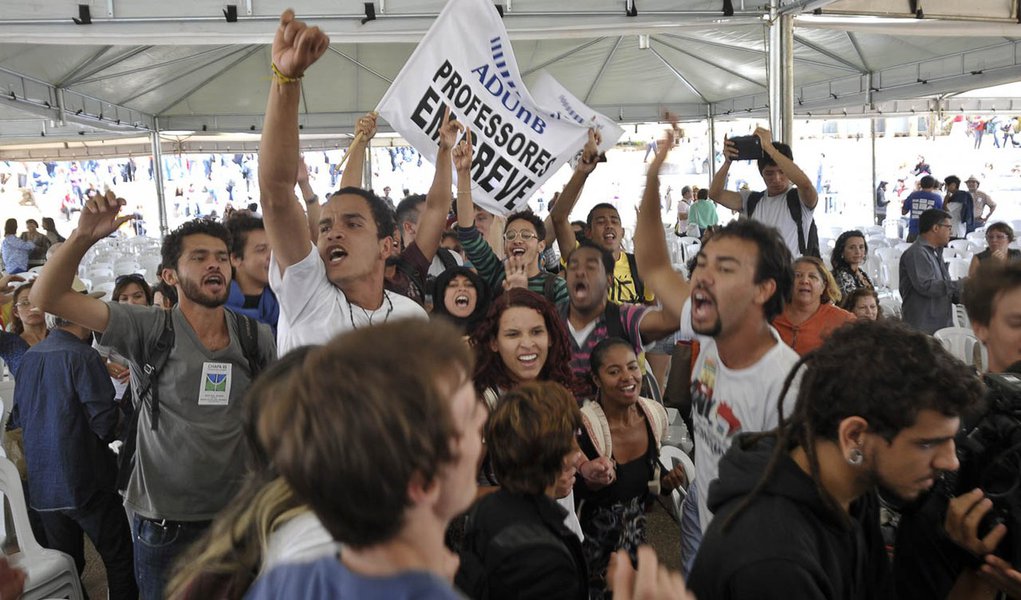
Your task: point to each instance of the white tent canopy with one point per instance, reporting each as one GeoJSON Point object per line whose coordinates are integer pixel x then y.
{"type": "Point", "coordinates": [179, 66]}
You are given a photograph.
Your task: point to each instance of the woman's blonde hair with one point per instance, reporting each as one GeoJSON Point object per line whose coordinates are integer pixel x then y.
{"type": "Point", "coordinates": [227, 559]}
{"type": "Point", "coordinates": [830, 291]}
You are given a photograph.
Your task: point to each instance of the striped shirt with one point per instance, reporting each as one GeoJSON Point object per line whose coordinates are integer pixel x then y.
{"type": "Point", "coordinates": [492, 271]}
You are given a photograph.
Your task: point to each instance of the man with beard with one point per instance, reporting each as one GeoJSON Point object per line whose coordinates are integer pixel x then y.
{"type": "Point", "coordinates": [190, 457]}
{"type": "Point", "coordinates": [602, 226]}
{"type": "Point", "coordinates": [797, 509]}
{"type": "Point", "coordinates": [592, 318]}
{"type": "Point", "coordinates": [741, 280]}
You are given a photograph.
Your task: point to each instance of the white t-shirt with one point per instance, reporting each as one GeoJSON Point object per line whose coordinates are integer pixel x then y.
{"type": "Point", "coordinates": [726, 402]}
{"type": "Point", "coordinates": [301, 539]}
{"type": "Point", "coordinates": [313, 310]}
{"type": "Point", "coordinates": [773, 211]}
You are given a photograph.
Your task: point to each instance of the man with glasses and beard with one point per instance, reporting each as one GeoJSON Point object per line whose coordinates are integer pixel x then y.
{"type": "Point", "coordinates": [189, 458]}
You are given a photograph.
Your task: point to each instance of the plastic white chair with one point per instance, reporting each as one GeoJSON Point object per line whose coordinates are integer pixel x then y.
{"type": "Point", "coordinates": [903, 246]}
{"type": "Point", "coordinates": [961, 342]}
{"type": "Point", "coordinates": [887, 255]}
{"type": "Point", "coordinates": [891, 307]}
{"type": "Point", "coordinates": [872, 267]}
{"type": "Point", "coordinates": [107, 287]}
{"type": "Point", "coordinates": [958, 268]}
{"type": "Point", "coordinates": [890, 275]}
{"type": "Point", "coordinates": [874, 230]}
{"type": "Point", "coordinates": [960, 315]}
{"type": "Point", "coordinates": [959, 245]}
{"type": "Point", "coordinates": [50, 573]}
{"type": "Point", "coordinates": [671, 456]}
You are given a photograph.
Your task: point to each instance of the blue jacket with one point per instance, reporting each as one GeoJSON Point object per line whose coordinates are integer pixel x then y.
{"type": "Point", "coordinates": [65, 404]}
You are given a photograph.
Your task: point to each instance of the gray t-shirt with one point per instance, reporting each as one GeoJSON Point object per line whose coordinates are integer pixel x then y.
{"type": "Point", "coordinates": [190, 467]}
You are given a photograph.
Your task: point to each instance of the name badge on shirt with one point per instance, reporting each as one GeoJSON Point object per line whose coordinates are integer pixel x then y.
{"type": "Point", "coordinates": [215, 387]}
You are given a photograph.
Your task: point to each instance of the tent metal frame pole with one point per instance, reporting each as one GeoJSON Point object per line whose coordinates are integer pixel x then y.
{"type": "Point", "coordinates": [157, 175]}
{"type": "Point", "coordinates": [875, 182]}
{"type": "Point", "coordinates": [712, 143]}
{"type": "Point", "coordinates": [774, 68]}
{"type": "Point", "coordinates": [787, 78]}
{"type": "Point", "coordinates": [367, 167]}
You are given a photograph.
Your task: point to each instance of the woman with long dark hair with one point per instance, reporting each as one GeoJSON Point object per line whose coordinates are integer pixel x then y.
{"type": "Point", "coordinates": [849, 255]}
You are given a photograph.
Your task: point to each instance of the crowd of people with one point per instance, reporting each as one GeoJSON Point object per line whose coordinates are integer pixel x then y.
{"type": "Point", "coordinates": [348, 397]}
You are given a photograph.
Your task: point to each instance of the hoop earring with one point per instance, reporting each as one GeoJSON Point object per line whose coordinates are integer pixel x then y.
{"type": "Point", "coordinates": [856, 458]}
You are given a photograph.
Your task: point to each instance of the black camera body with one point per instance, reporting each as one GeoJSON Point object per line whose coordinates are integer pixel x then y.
{"type": "Point", "coordinates": [989, 450]}
{"type": "Point", "coordinates": [749, 147]}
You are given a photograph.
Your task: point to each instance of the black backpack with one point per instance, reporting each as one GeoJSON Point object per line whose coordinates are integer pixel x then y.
{"type": "Point", "coordinates": [639, 284]}
{"type": "Point", "coordinates": [809, 248]}
{"type": "Point", "coordinates": [155, 359]}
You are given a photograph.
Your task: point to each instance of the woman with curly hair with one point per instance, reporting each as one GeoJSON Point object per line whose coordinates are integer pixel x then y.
{"type": "Point", "coordinates": [812, 313]}
{"type": "Point", "coordinates": [863, 303]}
{"type": "Point", "coordinates": [849, 254]}
{"type": "Point", "coordinates": [521, 339]}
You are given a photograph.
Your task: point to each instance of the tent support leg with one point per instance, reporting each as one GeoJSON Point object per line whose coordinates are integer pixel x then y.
{"type": "Point", "coordinates": [157, 175]}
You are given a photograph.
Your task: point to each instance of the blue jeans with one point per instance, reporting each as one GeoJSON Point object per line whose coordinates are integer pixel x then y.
{"type": "Point", "coordinates": [691, 530]}
{"type": "Point", "coordinates": [157, 547]}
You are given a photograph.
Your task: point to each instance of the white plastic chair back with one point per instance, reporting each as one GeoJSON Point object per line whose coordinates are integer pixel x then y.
{"type": "Point", "coordinates": [50, 573]}
{"type": "Point", "coordinates": [961, 317]}
{"type": "Point", "coordinates": [671, 456]}
{"type": "Point", "coordinates": [106, 286]}
{"type": "Point", "coordinates": [903, 246]}
{"type": "Point", "coordinates": [959, 341]}
{"type": "Point", "coordinates": [960, 245]}
{"type": "Point", "coordinates": [888, 254]}
{"type": "Point", "coordinates": [891, 307]}
{"type": "Point", "coordinates": [890, 275]}
{"type": "Point", "coordinates": [872, 267]}
{"type": "Point", "coordinates": [958, 268]}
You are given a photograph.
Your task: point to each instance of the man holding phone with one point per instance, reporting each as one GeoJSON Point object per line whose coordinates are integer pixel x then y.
{"type": "Point", "coordinates": [789, 199]}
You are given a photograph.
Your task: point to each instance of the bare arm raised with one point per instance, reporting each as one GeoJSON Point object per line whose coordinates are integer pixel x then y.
{"type": "Point", "coordinates": [561, 213]}
{"type": "Point", "coordinates": [312, 206]}
{"type": "Point", "coordinates": [295, 48]}
{"type": "Point", "coordinates": [365, 130]}
{"type": "Point", "coordinates": [717, 191]}
{"type": "Point", "coordinates": [806, 191]}
{"type": "Point", "coordinates": [437, 201]}
{"type": "Point", "coordinates": [52, 290]}
{"type": "Point", "coordinates": [650, 244]}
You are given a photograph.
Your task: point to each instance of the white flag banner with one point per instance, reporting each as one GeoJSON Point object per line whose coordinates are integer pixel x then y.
{"type": "Point", "coordinates": [465, 62]}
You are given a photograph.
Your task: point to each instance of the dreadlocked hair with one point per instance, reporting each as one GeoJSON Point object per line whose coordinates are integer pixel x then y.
{"type": "Point", "coordinates": [881, 371]}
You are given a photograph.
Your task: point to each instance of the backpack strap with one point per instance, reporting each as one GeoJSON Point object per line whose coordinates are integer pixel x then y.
{"type": "Point", "coordinates": [598, 428]}
{"type": "Point", "coordinates": [794, 206]}
{"type": "Point", "coordinates": [156, 359]}
{"type": "Point", "coordinates": [657, 417]}
{"type": "Point", "coordinates": [753, 201]}
{"type": "Point", "coordinates": [639, 284]}
{"type": "Point", "coordinates": [611, 315]}
{"type": "Point", "coordinates": [248, 336]}
{"type": "Point", "coordinates": [404, 267]}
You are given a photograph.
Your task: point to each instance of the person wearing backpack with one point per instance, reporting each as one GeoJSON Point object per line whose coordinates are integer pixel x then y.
{"type": "Point", "coordinates": [602, 226]}
{"type": "Point", "coordinates": [788, 201]}
{"type": "Point", "coordinates": [198, 359]}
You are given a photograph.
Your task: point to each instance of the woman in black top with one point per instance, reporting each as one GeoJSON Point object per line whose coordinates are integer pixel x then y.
{"type": "Point", "coordinates": [998, 236]}
{"type": "Point", "coordinates": [849, 254]}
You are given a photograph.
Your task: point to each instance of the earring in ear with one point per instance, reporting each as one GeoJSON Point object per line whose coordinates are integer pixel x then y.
{"type": "Point", "coordinates": [856, 457]}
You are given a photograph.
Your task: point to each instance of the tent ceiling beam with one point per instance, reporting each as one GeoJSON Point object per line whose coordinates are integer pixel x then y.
{"type": "Point", "coordinates": [802, 6]}
{"type": "Point", "coordinates": [230, 65]}
{"type": "Point", "coordinates": [830, 55]}
{"type": "Point", "coordinates": [761, 52]}
{"type": "Point", "coordinates": [181, 75]}
{"type": "Point", "coordinates": [680, 76]}
{"type": "Point", "coordinates": [85, 64]}
{"type": "Point", "coordinates": [561, 57]}
{"type": "Point", "coordinates": [361, 65]}
{"type": "Point", "coordinates": [405, 28]}
{"type": "Point", "coordinates": [151, 66]}
{"type": "Point", "coordinates": [851, 37]}
{"type": "Point", "coordinates": [709, 62]}
{"type": "Point", "coordinates": [602, 69]}
{"type": "Point", "coordinates": [72, 80]}
{"type": "Point", "coordinates": [38, 97]}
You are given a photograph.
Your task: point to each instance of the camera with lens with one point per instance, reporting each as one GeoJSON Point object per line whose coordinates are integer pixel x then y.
{"type": "Point", "coordinates": [989, 450]}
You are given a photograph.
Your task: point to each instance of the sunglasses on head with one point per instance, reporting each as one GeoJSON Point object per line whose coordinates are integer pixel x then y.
{"type": "Point", "coordinates": [132, 278]}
